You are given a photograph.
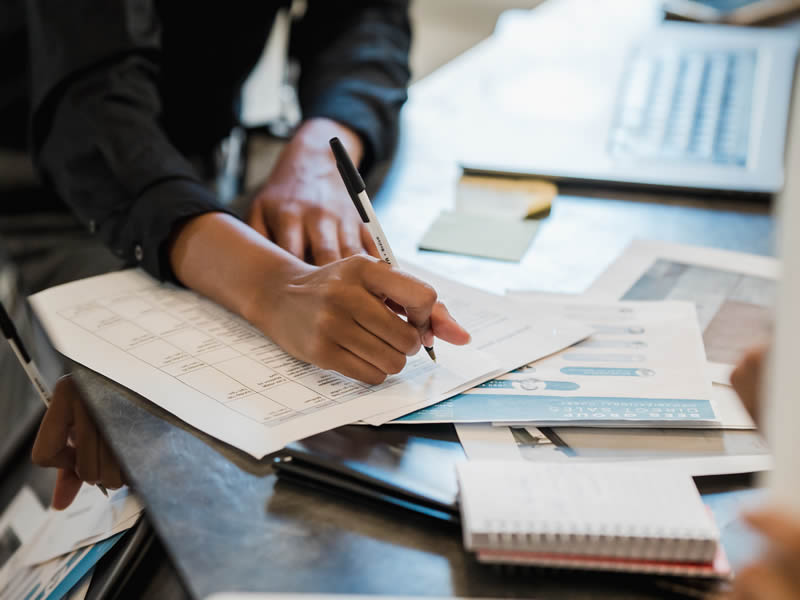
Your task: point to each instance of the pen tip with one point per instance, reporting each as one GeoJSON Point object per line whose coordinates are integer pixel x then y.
{"type": "Point", "coordinates": [431, 353]}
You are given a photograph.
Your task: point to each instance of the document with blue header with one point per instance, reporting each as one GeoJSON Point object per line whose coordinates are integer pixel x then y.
{"type": "Point", "coordinates": [644, 365]}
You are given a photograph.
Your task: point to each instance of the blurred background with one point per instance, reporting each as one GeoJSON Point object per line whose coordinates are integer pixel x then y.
{"type": "Point", "coordinates": [443, 29]}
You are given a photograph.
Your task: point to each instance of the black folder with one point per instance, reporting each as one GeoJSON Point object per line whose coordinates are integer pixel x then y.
{"type": "Point", "coordinates": [411, 468]}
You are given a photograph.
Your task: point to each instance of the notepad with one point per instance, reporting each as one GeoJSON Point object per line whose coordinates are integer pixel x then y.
{"type": "Point", "coordinates": [608, 517]}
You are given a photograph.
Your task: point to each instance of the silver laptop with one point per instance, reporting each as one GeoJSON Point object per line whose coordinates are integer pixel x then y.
{"type": "Point", "coordinates": [684, 106]}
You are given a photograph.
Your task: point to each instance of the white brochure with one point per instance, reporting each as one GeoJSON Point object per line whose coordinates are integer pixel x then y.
{"type": "Point", "coordinates": [643, 366]}
{"type": "Point", "coordinates": [52, 553]}
{"type": "Point", "coordinates": [18, 526]}
{"type": "Point", "coordinates": [734, 292]}
{"type": "Point", "coordinates": [89, 519]}
{"type": "Point", "coordinates": [219, 374]}
{"type": "Point", "coordinates": [60, 577]}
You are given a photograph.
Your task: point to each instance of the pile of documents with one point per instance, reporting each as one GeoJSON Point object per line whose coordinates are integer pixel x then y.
{"type": "Point", "coordinates": [633, 374]}
{"type": "Point", "coordinates": [648, 348]}
{"type": "Point", "coordinates": [222, 376]}
{"type": "Point", "coordinates": [51, 554]}
{"type": "Point", "coordinates": [652, 383]}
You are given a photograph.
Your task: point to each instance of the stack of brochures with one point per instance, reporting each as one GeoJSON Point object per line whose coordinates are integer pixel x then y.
{"type": "Point", "coordinates": [48, 554]}
{"type": "Point", "coordinates": [611, 518]}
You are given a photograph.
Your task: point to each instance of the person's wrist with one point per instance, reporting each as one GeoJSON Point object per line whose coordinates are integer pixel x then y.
{"type": "Point", "coordinates": [261, 304]}
{"type": "Point", "coordinates": [220, 257]}
{"type": "Point", "coordinates": [314, 136]}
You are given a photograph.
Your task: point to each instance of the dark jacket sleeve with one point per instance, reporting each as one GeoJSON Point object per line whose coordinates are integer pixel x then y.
{"type": "Point", "coordinates": [95, 125]}
{"type": "Point", "coordinates": [354, 67]}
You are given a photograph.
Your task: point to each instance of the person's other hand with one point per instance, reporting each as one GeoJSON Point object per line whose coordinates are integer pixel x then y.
{"type": "Point", "coordinates": [337, 317]}
{"type": "Point", "coordinates": [776, 575]}
{"type": "Point", "coordinates": [746, 379]}
{"type": "Point", "coordinates": [68, 440]}
{"type": "Point", "coordinates": [303, 206]}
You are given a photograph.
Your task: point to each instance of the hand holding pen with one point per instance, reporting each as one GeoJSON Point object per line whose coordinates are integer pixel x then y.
{"type": "Point", "coordinates": [67, 437]}
{"type": "Point", "coordinates": [358, 194]}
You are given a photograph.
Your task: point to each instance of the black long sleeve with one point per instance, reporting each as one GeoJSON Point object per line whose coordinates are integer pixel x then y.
{"type": "Point", "coordinates": [124, 90]}
{"type": "Point", "coordinates": [354, 67]}
{"type": "Point", "coordinates": [97, 133]}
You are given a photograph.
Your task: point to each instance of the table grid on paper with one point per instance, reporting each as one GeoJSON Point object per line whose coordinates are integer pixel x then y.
{"type": "Point", "coordinates": [218, 354]}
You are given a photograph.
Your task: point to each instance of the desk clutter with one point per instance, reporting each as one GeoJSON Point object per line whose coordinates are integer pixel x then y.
{"type": "Point", "coordinates": [584, 418]}
{"type": "Point", "coordinates": [49, 554]}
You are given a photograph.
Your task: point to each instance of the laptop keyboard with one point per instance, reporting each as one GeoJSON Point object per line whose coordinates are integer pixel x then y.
{"type": "Point", "coordinates": [686, 106]}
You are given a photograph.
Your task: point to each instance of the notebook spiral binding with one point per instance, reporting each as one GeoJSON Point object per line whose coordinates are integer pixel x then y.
{"type": "Point", "coordinates": [588, 540]}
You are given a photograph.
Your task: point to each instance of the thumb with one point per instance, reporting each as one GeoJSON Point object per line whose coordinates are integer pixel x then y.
{"type": "Point", "coordinates": [67, 487]}
{"type": "Point", "coordinates": [445, 327]}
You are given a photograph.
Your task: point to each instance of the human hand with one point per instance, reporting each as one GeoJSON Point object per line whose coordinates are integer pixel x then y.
{"type": "Point", "coordinates": [746, 379]}
{"type": "Point", "coordinates": [69, 441]}
{"type": "Point", "coordinates": [337, 317]}
{"type": "Point", "coordinates": [303, 206]}
{"type": "Point", "coordinates": [776, 575]}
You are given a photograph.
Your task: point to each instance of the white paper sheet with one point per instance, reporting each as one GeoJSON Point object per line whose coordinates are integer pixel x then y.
{"type": "Point", "coordinates": [696, 453]}
{"type": "Point", "coordinates": [219, 374]}
{"type": "Point", "coordinates": [64, 545]}
{"type": "Point", "coordinates": [643, 366]}
{"type": "Point", "coordinates": [18, 526]}
{"type": "Point", "coordinates": [637, 349]}
{"type": "Point", "coordinates": [89, 519]}
{"type": "Point", "coordinates": [56, 578]}
{"type": "Point", "coordinates": [512, 335]}
{"type": "Point", "coordinates": [484, 442]}
{"type": "Point", "coordinates": [728, 409]}
{"type": "Point", "coordinates": [734, 292]}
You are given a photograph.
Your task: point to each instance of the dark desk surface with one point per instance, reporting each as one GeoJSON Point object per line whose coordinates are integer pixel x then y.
{"type": "Point", "coordinates": [229, 526]}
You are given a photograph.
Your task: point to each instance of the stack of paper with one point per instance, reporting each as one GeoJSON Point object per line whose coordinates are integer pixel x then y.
{"type": "Point", "coordinates": [48, 554]}
{"type": "Point", "coordinates": [219, 374]}
{"type": "Point", "coordinates": [630, 353]}
{"type": "Point", "coordinates": [732, 295]}
{"type": "Point", "coordinates": [91, 518]}
{"type": "Point", "coordinates": [643, 365]}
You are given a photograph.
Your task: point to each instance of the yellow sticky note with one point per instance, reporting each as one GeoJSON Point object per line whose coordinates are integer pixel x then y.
{"type": "Point", "coordinates": [514, 197]}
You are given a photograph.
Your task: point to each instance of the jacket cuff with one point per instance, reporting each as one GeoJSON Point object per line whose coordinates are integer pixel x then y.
{"type": "Point", "coordinates": [350, 104]}
{"type": "Point", "coordinates": [143, 240]}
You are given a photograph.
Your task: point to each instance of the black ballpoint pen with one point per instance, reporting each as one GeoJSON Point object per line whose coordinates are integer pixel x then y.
{"type": "Point", "coordinates": [358, 194]}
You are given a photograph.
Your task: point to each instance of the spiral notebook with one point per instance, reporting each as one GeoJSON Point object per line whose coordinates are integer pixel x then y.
{"type": "Point", "coordinates": [597, 517]}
